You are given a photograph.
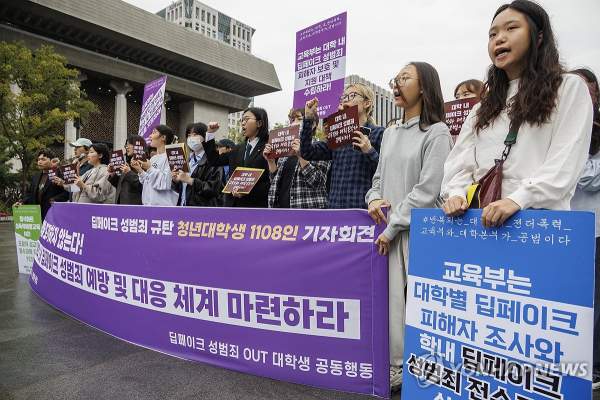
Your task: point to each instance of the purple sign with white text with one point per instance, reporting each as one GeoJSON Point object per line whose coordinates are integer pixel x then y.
{"type": "Point", "coordinates": [320, 64]}
{"type": "Point", "coordinates": [154, 95]}
{"type": "Point", "coordinates": [295, 295]}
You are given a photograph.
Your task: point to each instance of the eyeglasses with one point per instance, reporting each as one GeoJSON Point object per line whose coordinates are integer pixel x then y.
{"type": "Point", "coordinates": [395, 82]}
{"type": "Point", "coordinates": [244, 120]}
{"type": "Point", "coordinates": [349, 97]}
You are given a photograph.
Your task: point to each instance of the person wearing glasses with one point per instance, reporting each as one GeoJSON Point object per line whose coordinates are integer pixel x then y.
{"type": "Point", "coordinates": [352, 166]}
{"type": "Point", "coordinates": [409, 175]}
{"type": "Point", "coordinates": [255, 128]}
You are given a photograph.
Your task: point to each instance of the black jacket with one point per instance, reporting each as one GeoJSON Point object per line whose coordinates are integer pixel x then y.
{"type": "Point", "coordinates": [257, 198]}
{"type": "Point", "coordinates": [206, 189]}
{"type": "Point", "coordinates": [129, 188]}
{"type": "Point", "coordinates": [50, 192]}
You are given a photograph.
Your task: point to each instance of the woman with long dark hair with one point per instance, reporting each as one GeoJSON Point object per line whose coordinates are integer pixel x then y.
{"type": "Point", "coordinates": [409, 175]}
{"type": "Point", "coordinates": [255, 127]}
{"type": "Point", "coordinates": [529, 94]}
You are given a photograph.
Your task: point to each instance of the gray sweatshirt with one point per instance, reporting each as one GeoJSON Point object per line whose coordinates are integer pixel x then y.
{"type": "Point", "coordinates": [410, 170]}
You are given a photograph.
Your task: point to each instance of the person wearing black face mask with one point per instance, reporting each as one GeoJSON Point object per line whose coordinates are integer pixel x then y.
{"type": "Point", "coordinates": [126, 182]}
{"type": "Point", "coordinates": [202, 186]}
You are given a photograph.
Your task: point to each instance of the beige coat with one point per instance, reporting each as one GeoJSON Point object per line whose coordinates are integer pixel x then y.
{"type": "Point", "coordinates": [97, 188]}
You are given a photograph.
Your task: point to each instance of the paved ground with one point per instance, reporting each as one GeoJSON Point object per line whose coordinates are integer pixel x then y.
{"type": "Point", "coordinates": [47, 355]}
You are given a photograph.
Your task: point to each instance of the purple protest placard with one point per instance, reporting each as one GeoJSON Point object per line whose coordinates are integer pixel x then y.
{"type": "Point", "coordinates": [298, 295]}
{"type": "Point", "coordinates": [154, 94]}
{"type": "Point", "coordinates": [320, 64]}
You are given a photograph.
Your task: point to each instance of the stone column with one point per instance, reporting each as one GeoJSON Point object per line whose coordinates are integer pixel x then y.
{"type": "Point", "coordinates": [70, 130]}
{"type": "Point", "coordinates": [120, 128]}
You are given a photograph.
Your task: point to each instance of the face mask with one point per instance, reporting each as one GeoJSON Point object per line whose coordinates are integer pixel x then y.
{"type": "Point", "coordinates": [195, 143]}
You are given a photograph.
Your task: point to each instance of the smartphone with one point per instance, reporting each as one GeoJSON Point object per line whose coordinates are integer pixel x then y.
{"type": "Point", "coordinates": [365, 131]}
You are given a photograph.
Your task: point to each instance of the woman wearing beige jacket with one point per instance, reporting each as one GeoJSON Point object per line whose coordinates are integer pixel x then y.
{"type": "Point", "coordinates": [94, 186]}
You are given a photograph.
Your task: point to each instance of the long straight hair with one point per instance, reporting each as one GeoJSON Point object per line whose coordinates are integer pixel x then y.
{"type": "Point", "coordinates": [432, 110]}
{"type": "Point", "coordinates": [538, 86]}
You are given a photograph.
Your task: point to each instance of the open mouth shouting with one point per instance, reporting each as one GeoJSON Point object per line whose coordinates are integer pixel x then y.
{"type": "Point", "coordinates": [501, 53]}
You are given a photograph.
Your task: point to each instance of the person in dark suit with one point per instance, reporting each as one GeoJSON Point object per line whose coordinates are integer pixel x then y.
{"type": "Point", "coordinates": [126, 182]}
{"type": "Point", "coordinates": [42, 191]}
{"type": "Point", "coordinates": [202, 186]}
{"type": "Point", "coordinates": [255, 128]}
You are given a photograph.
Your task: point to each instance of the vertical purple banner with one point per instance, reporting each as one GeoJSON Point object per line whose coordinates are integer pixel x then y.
{"type": "Point", "coordinates": [154, 94]}
{"type": "Point", "coordinates": [295, 295]}
{"type": "Point", "coordinates": [321, 64]}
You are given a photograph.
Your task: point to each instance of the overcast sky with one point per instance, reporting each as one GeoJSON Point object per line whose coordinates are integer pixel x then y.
{"type": "Point", "coordinates": [385, 35]}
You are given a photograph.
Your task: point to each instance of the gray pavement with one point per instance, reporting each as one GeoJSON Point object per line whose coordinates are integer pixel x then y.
{"type": "Point", "coordinates": [46, 355]}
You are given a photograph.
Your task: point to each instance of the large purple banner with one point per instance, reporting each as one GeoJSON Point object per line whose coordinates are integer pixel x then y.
{"type": "Point", "coordinates": [321, 64]}
{"type": "Point", "coordinates": [154, 95]}
{"type": "Point", "coordinates": [296, 295]}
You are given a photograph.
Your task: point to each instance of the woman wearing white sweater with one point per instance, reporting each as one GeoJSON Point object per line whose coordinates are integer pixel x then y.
{"type": "Point", "coordinates": [551, 111]}
{"type": "Point", "coordinates": [155, 175]}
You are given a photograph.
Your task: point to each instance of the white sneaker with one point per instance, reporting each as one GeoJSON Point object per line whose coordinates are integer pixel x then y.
{"type": "Point", "coordinates": [595, 382]}
{"type": "Point", "coordinates": [395, 377]}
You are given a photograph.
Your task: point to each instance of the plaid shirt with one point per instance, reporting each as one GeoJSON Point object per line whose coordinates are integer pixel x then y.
{"type": "Point", "coordinates": [308, 186]}
{"type": "Point", "coordinates": [351, 171]}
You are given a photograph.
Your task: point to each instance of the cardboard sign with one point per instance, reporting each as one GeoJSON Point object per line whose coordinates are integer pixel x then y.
{"type": "Point", "coordinates": [243, 179]}
{"type": "Point", "coordinates": [69, 173]}
{"type": "Point", "coordinates": [117, 158]}
{"type": "Point", "coordinates": [138, 150]}
{"type": "Point", "coordinates": [281, 141]}
{"type": "Point", "coordinates": [52, 174]}
{"type": "Point", "coordinates": [320, 64]}
{"type": "Point", "coordinates": [177, 157]}
{"type": "Point", "coordinates": [339, 127]}
{"type": "Point", "coordinates": [497, 308]}
{"type": "Point", "coordinates": [28, 223]}
{"type": "Point", "coordinates": [457, 112]}
{"type": "Point", "coordinates": [152, 103]}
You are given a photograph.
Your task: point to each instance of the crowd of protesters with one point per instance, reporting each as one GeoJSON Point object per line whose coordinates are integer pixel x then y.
{"type": "Point", "coordinates": [542, 121]}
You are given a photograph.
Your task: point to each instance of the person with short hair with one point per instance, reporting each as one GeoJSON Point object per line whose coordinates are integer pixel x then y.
{"type": "Point", "coordinates": [202, 186]}
{"type": "Point", "coordinates": [155, 174]}
{"type": "Point", "coordinates": [126, 181]}
{"type": "Point", "coordinates": [41, 190]}
{"type": "Point", "coordinates": [82, 146]}
{"type": "Point", "coordinates": [225, 146]}
{"type": "Point", "coordinates": [93, 186]}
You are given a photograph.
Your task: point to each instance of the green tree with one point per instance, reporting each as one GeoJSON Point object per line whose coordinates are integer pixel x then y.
{"type": "Point", "coordinates": [38, 93]}
{"type": "Point", "coordinates": [235, 134]}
